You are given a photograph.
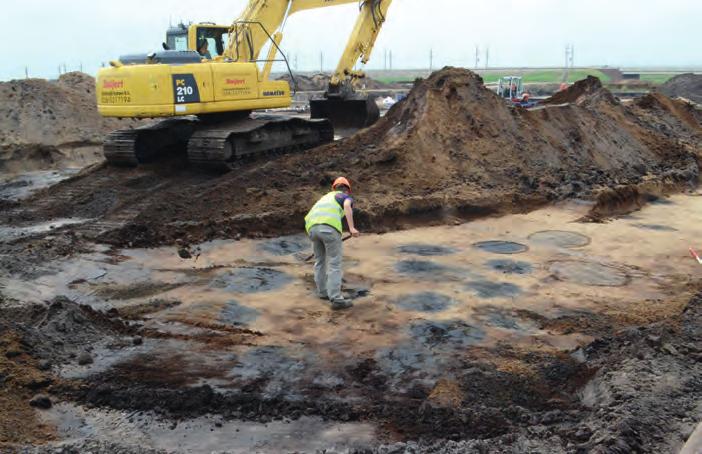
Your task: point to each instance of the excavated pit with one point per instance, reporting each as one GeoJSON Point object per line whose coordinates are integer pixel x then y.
{"type": "Point", "coordinates": [425, 250]}
{"type": "Point", "coordinates": [205, 346]}
{"type": "Point", "coordinates": [559, 238]}
{"type": "Point", "coordinates": [510, 266]}
{"type": "Point", "coordinates": [589, 273]}
{"type": "Point", "coordinates": [251, 280]}
{"type": "Point", "coordinates": [501, 247]}
{"type": "Point", "coordinates": [425, 302]}
{"type": "Point", "coordinates": [578, 346]}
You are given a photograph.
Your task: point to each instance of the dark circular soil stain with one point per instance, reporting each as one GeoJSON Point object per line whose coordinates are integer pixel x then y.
{"type": "Point", "coordinates": [501, 247]}
{"type": "Point", "coordinates": [452, 332]}
{"type": "Point", "coordinates": [560, 238]}
{"type": "Point", "coordinates": [287, 245]}
{"type": "Point", "coordinates": [501, 318]}
{"type": "Point", "coordinates": [426, 250]}
{"type": "Point", "coordinates": [507, 266]}
{"type": "Point", "coordinates": [428, 270]}
{"type": "Point", "coordinates": [589, 273]}
{"type": "Point", "coordinates": [252, 280]}
{"type": "Point", "coordinates": [488, 289]}
{"type": "Point", "coordinates": [234, 313]}
{"type": "Point", "coordinates": [656, 227]}
{"type": "Point", "coordinates": [425, 302]}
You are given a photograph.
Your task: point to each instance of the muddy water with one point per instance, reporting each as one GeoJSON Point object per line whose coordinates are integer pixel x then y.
{"type": "Point", "coordinates": [209, 433]}
{"type": "Point", "coordinates": [16, 187]}
{"type": "Point", "coordinates": [426, 300]}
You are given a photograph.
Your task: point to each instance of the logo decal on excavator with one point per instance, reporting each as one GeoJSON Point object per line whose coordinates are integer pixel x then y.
{"type": "Point", "coordinates": [274, 93]}
{"type": "Point", "coordinates": [185, 89]}
{"type": "Point", "coordinates": [112, 84]}
{"type": "Point", "coordinates": [235, 81]}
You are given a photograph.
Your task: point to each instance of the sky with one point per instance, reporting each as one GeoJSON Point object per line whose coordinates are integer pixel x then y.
{"type": "Point", "coordinates": [41, 35]}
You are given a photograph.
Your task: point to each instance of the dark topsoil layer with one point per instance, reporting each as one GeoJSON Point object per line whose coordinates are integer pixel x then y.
{"type": "Point", "coordinates": [685, 85]}
{"type": "Point", "coordinates": [632, 390]}
{"type": "Point", "coordinates": [453, 150]}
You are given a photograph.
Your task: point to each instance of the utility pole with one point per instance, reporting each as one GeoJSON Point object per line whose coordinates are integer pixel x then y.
{"type": "Point", "coordinates": [385, 59]}
{"type": "Point", "coordinates": [477, 56]}
{"type": "Point", "coordinates": [431, 60]}
{"type": "Point", "coordinates": [570, 56]}
{"type": "Point", "coordinates": [321, 62]}
{"type": "Point", "coordinates": [26, 72]}
{"type": "Point", "coordinates": [390, 60]}
{"type": "Point", "coordinates": [81, 66]}
{"type": "Point", "coordinates": [487, 57]}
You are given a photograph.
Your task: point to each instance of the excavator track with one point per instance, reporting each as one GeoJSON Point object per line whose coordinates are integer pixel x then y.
{"type": "Point", "coordinates": [216, 144]}
{"type": "Point", "coordinates": [131, 147]}
{"type": "Point", "coordinates": [224, 145]}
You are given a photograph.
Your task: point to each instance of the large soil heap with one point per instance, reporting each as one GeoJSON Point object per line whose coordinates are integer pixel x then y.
{"type": "Point", "coordinates": [452, 150]}
{"type": "Point", "coordinates": [685, 85]}
{"type": "Point", "coordinates": [47, 124]}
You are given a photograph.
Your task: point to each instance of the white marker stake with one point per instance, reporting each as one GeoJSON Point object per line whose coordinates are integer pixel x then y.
{"type": "Point", "coordinates": [696, 256]}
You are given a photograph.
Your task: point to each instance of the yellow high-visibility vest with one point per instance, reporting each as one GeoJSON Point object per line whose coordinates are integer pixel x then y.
{"type": "Point", "coordinates": [326, 211]}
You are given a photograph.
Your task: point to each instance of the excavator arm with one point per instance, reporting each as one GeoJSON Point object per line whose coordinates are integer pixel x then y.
{"type": "Point", "coordinates": [342, 105]}
{"type": "Point", "coordinates": [360, 44]}
{"type": "Point", "coordinates": [263, 20]}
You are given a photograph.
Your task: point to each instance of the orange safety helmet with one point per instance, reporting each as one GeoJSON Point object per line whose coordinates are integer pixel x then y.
{"type": "Point", "coordinates": [341, 181]}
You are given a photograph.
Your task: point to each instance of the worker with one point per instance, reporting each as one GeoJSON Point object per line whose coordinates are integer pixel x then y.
{"type": "Point", "coordinates": [324, 226]}
{"type": "Point", "coordinates": [202, 49]}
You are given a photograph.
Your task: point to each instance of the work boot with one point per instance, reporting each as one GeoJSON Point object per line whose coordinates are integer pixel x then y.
{"type": "Point", "coordinates": [341, 304]}
{"type": "Point", "coordinates": [321, 296]}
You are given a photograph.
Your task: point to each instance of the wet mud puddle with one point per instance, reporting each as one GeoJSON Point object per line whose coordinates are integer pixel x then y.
{"type": "Point", "coordinates": [242, 320]}
{"type": "Point", "coordinates": [16, 187]}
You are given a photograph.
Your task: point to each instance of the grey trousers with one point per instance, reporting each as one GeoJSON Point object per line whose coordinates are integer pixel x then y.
{"type": "Point", "coordinates": [328, 253]}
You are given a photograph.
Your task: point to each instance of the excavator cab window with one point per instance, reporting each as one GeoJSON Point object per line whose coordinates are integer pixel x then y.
{"type": "Point", "coordinates": [216, 37]}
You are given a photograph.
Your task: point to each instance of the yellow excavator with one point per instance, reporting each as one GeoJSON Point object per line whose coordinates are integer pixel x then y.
{"type": "Point", "coordinates": [207, 82]}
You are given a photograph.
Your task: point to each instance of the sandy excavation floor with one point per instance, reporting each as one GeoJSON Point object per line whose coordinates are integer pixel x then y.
{"type": "Point", "coordinates": [525, 332]}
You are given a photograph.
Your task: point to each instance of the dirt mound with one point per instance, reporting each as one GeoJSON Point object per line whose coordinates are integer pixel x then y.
{"type": "Point", "coordinates": [452, 150]}
{"type": "Point", "coordinates": [48, 124]}
{"type": "Point", "coordinates": [320, 82]}
{"type": "Point", "coordinates": [687, 86]}
{"type": "Point", "coordinates": [581, 91]}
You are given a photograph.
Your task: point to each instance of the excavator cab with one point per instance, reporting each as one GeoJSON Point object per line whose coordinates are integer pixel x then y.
{"type": "Point", "coordinates": [511, 88]}
{"type": "Point", "coordinates": [186, 37]}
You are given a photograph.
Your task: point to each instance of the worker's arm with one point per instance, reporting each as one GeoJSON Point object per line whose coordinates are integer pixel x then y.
{"type": "Point", "coordinates": [348, 211]}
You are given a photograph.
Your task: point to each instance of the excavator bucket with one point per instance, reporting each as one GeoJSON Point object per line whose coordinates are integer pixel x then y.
{"type": "Point", "coordinates": [354, 113]}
